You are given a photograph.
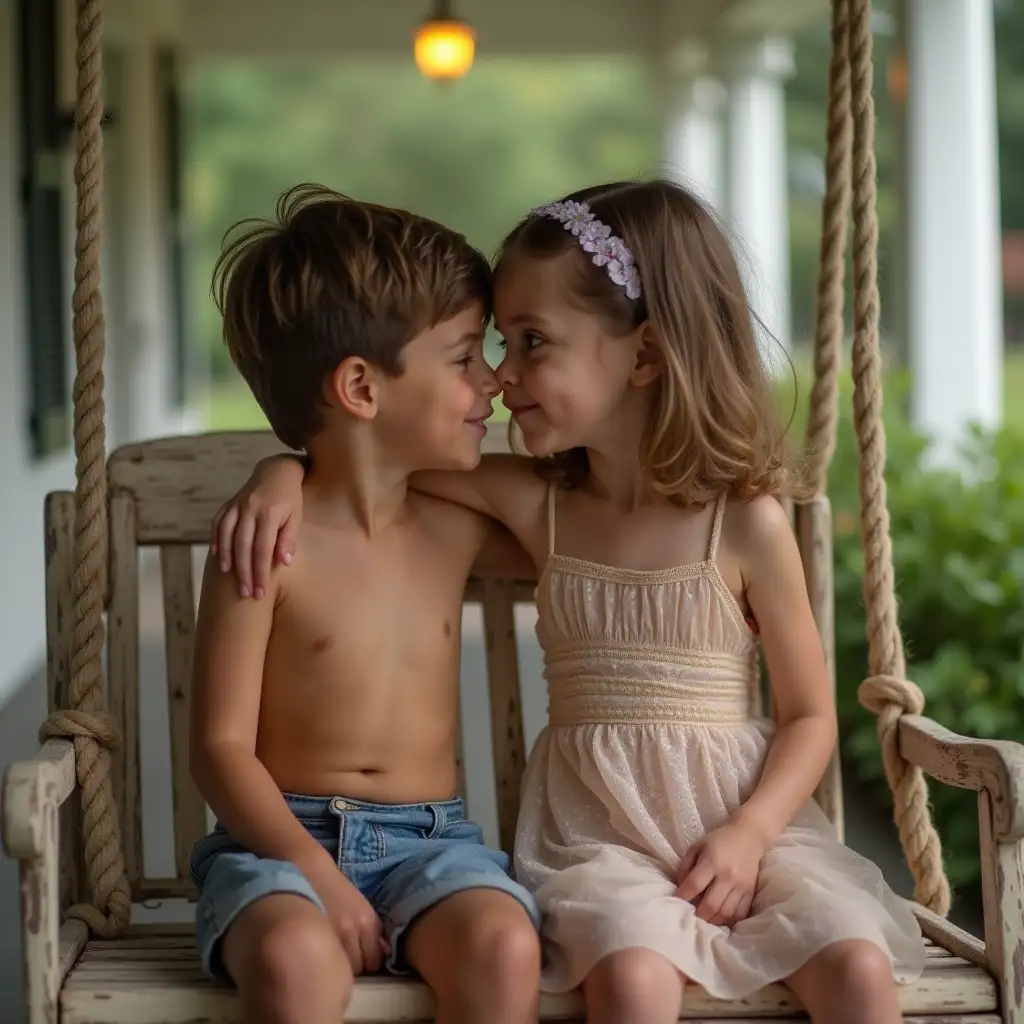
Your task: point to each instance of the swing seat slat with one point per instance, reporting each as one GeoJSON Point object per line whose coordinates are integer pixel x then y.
{"type": "Point", "coordinates": [153, 976]}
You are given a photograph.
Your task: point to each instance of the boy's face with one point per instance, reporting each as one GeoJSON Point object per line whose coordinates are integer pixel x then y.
{"type": "Point", "coordinates": [433, 416]}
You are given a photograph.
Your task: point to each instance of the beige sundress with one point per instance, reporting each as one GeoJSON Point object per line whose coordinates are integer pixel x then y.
{"type": "Point", "coordinates": [650, 745]}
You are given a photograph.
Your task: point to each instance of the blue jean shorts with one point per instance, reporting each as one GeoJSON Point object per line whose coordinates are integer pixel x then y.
{"type": "Point", "coordinates": [404, 858]}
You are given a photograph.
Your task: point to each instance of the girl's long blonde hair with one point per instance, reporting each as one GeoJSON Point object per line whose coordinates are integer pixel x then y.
{"type": "Point", "coordinates": [714, 425]}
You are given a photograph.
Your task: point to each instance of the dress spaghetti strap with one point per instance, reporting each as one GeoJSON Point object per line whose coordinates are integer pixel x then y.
{"type": "Point", "coordinates": [716, 529]}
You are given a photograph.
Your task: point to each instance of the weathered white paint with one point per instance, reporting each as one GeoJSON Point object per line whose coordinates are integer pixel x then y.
{"type": "Point", "coordinates": [955, 313]}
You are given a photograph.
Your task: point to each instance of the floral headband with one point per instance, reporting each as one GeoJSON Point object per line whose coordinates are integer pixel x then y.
{"type": "Point", "coordinates": [608, 250]}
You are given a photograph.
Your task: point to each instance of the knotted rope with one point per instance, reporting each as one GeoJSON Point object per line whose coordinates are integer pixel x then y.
{"type": "Point", "coordinates": [87, 722]}
{"type": "Point", "coordinates": [851, 177]}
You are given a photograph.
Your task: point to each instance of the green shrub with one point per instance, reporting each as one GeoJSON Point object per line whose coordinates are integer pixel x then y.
{"type": "Point", "coordinates": [958, 550]}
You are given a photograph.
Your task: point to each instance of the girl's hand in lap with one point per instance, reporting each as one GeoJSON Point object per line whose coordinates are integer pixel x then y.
{"type": "Point", "coordinates": [257, 528]}
{"type": "Point", "coordinates": [719, 873]}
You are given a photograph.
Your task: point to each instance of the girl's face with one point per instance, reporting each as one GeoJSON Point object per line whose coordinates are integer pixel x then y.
{"type": "Point", "coordinates": [567, 381]}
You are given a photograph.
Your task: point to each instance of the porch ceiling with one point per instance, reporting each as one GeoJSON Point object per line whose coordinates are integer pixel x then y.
{"type": "Point", "coordinates": [378, 28]}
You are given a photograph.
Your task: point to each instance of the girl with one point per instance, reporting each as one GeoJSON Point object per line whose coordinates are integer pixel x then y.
{"type": "Point", "coordinates": [668, 835]}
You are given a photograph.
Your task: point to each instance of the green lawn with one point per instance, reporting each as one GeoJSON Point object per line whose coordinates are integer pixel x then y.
{"type": "Point", "coordinates": [231, 407]}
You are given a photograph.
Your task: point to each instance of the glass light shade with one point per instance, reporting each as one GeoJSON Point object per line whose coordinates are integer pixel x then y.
{"type": "Point", "coordinates": [444, 48]}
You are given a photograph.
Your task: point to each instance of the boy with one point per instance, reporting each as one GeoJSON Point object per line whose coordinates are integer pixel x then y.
{"type": "Point", "coordinates": [324, 715]}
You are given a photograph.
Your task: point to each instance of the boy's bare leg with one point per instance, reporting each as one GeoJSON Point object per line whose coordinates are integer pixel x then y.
{"type": "Point", "coordinates": [480, 953]}
{"type": "Point", "coordinates": [287, 962]}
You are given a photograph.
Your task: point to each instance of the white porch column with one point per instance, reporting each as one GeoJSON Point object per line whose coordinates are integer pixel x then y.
{"type": "Point", "coordinates": [139, 282]}
{"type": "Point", "coordinates": [693, 138]}
{"type": "Point", "coordinates": [143, 272]}
{"type": "Point", "coordinates": [955, 311]}
{"type": "Point", "coordinates": [756, 178]}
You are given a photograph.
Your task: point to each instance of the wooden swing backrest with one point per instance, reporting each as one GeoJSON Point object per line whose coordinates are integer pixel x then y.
{"type": "Point", "coordinates": [163, 495]}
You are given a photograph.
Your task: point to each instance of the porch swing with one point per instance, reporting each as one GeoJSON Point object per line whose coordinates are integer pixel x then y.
{"type": "Point", "coordinates": [72, 814]}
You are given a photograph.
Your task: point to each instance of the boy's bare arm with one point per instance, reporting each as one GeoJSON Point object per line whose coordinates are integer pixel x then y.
{"type": "Point", "coordinates": [231, 644]}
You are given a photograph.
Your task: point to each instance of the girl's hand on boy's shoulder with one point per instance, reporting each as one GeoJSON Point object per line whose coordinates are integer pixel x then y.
{"type": "Point", "coordinates": [719, 873]}
{"type": "Point", "coordinates": [258, 527]}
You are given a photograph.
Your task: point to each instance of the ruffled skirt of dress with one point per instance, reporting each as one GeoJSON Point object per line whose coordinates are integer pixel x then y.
{"type": "Point", "coordinates": [608, 812]}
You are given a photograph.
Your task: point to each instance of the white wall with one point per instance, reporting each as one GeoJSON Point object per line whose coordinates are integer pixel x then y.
{"type": "Point", "coordinates": [137, 310]}
{"type": "Point", "coordinates": [23, 480]}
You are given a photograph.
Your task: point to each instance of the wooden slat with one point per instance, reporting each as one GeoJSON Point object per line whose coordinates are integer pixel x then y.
{"type": "Point", "coordinates": [180, 628]}
{"type": "Point", "coordinates": [73, 937]}
{"type": "Point", "coordinates": [460, 761]}
{"type": "Point", "coordinates": [506, 704]}
{"type": "Point", "coordinates": [996, 766]}
{"type": "Point", "coordinates": [180, 482]}
{"type": "Point", "coordinates": [948, 936]}
{"type": "Point", "coordinates": [32, 790]}
{"type": "Point", "coordinates": [164, 984]}
{"type": "Point", "coordinates": [1002, 895]}
{"type": "Point", "coordinates": [165, 889]}
{"type": "Point", "coordinates": [29, 786]}
{"type": "Point", "coordinates": [523, 591]}
{"type": "Point", "coordinates": [123, 690]}
{"type": "Point", "coordinates": [59, 528]}
{"type": "Point", "coordinates": [814, 538]}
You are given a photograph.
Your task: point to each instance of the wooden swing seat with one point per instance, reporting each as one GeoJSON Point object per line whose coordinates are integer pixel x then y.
{"type": "Point", "coordinates": [152, 976]}
{"type": "Point", "coordinates": [163, 495]}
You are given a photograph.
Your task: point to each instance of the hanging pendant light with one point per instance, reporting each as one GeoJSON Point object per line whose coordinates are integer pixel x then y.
{"type": "Point", "coordinates": [444, 45]}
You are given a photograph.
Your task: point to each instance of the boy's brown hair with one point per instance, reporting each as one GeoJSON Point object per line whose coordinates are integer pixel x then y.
{"type": "Point", "coordinates": [328, 279]}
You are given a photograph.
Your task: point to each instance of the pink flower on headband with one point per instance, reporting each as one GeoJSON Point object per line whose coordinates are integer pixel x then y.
{"type": "Point", "coordinates": [607, 250]}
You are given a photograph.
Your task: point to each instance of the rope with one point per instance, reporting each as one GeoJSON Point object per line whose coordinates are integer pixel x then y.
{"type": "Point", "coordinates": [92, 729]}
{"type": "Point", "coordinates": [829, 327]}
{"type": "Point", "coordinates": [886, 692]}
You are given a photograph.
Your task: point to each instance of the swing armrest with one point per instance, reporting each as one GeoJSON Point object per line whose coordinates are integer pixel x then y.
{"type": "Point", "coordinates": [30, 789]}
{"type": "Point", "coordinates": [996, 766]}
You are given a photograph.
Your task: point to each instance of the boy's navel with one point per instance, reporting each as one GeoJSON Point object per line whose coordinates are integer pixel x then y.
{"type": "Point", "coordinates": [447, 629]}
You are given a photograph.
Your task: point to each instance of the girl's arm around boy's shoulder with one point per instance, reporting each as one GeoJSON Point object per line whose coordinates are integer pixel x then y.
{"type": "Point", "coordinates": [504, 487]}
{"type": "Point", "coordinates": [474, 540]}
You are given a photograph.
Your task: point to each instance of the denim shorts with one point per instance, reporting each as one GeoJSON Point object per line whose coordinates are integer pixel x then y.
{"type": "Point", "coordinates": [404, 858]}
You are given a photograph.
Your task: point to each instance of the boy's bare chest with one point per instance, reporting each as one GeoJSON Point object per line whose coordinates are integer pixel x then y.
{"type": "Point", "coordinates": [397, 605]}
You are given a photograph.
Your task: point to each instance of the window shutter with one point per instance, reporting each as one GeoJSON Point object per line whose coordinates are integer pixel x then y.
{"type": "Point", "coordinates": [170, 103]}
